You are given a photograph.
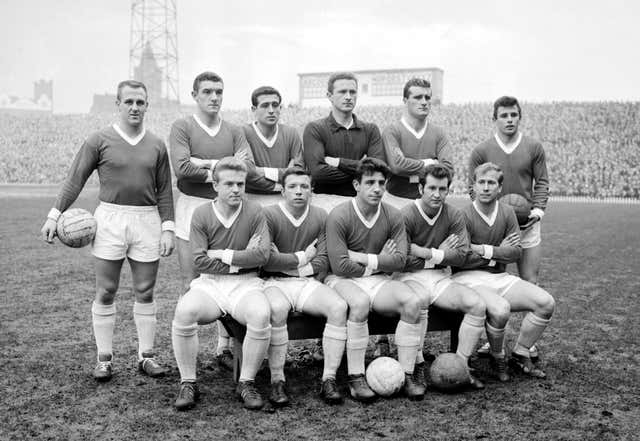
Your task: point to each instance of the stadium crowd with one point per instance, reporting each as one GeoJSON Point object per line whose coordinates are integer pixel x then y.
{"type": "Point", "coordinates": [593, 149]}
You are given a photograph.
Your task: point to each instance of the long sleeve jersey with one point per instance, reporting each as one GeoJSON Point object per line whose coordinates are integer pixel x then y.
{"type": "Point", "coordinates": [406, 151]}
{"type": "Point", "coordinates": [429, 232]}
{"type": "Point", "coordinates": [275, 155]}
{"type": "Point", "coordinates": [325, 137]}
{"type": "Point", "coordinates": [348, 230]}
{"type": "Point", "coordinates": [210, 231]}
{"type": "Point", "coordinates": [524, 168]}
{"type": "Point", "coordinates": [129, 173]}
{"type": "Point", "coordinates": [491, 230]}
{"type": "Point", "coordinates": [189, 139]}
{"type": "Point", "coordinates": [291, 236]}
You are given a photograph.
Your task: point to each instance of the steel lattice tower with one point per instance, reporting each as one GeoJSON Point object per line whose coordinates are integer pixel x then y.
{"type": "Point", "coordinates": [153, 48]}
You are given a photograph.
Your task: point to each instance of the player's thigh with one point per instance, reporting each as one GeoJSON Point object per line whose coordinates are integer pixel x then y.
{"type": "Point", "coordinates": [525, 296]}
{"type": "Point", "coordinates": [253, 309]}
{"type": "Point", "coordinates": [457, 297]}
{"type": "Point", "coordinates": [529, 264]}
{"type": "Point", "coordinates": [196, 306]}
{"type": "Point", "coordinates": [397, 298]}
{"type": "Point", "coordinates": [143, 276]}
{"type": "Point", "coordinates": [357, 300]}
{"type": "Point", "coordinates": [185, 259]}
{"type": "Point", "coordinates": [498, 309]}
{"type": "Point", "coordinates": [107, 279]}
{"type": "Point", "coordinates": [279, 304]}
{"type": "Point", "coordinates": [325, 302]}
{"type": "Point", "coordinates": [423, 293]}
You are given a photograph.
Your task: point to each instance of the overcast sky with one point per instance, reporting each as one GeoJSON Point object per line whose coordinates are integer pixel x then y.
{"type": "Point", "coordinates": [542, 51]}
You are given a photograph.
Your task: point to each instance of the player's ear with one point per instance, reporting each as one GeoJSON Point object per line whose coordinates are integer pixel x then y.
{"type": "Point", "coordinates": [194, 94]}
{"type": "Point", "coordinates": [253, 108]}
{"type": "Point", "coordinates": [420, 188]}
{"type": "Point", "coordinates": [356, 184]}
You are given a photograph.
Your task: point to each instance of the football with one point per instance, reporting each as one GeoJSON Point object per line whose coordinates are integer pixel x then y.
{"type": "Point", "coordinates": [385, 376]}
{"type": "Point", "coordinates": [76, 228]}
{"type": "Point", "coordinates": [520, 205]}
{"type": "Point", "coordinates": [449, 373]}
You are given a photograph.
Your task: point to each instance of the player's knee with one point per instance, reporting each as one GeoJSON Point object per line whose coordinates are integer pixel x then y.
{"type": "Point", "coordinates": [410, 311]}
{"type": "Point", "coordinates": [186, 312]}
{"type": "Point", "coordinates": [499, 313]}
{"type": "Point", "coordinates": [547, 307]}
{"type": "Point", "coordinates": [337, 312]}
{"type": "Point", "coordinates": [473, 304]}
{"type": "Point", "coordinates": [279, 311]}
{"type": "Point", "coordinates": [359, 309]}
{"type": "Point", "coordinates": [106, 291]}
{"type": "Point", "coordinates": [259, 315]}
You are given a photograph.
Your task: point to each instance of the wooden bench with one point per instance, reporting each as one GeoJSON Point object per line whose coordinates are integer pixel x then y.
{"type": "Point", "coordinates": [303, 326]}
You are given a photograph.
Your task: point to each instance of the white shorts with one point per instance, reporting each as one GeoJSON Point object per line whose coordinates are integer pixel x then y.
{"type": "Point", "coordinates": [127, 231]}
{"type": "Point", "coordinates": [328, 201]}
{"type": "Point", "coordinates": [296, 289]}
{"type": "Point", "coordinates": [185, 206]}
{"type": "Point", "coordinates": [435, 281]}
{"type": "Point", "coordinates": [396, 201]}
{"type": "Point", "coordinates": [371, 285]}
{"type": "Point", "coordinates": [531, 237]}
{"type": "Point", "coordinates": [498, 283]}
{"type": "Point", "coordinates": [227, 290]}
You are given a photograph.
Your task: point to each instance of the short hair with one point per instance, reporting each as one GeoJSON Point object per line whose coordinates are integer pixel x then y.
{"type": "Point", "coordinates": [487, 167]}
{"type": "Point", "coordinates": [340, 76]}
{"type": "Point", "coordinates": [229, 163]}
{"type": "Point", "coordinates": [506, 101]}
{"type": "Point", "coordinates": [296, 170]}
{"type": "Point", "coordinates": [438, 171]}
{"type": "Point", "coordinates": [415, 82]}
{"type": "Point", "coordinates": [206, 76]}
{"type": "Point", "coordinates": [133, 84]}
{"type": "Point", "coordinates": [369, 166]}
{"type": "Point", "coordinates": [264, 90]}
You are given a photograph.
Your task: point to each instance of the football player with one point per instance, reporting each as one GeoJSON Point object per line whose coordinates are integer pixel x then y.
{"type": "Point", "coordinates": [274, 146]}
{"type": "Point", "coordinates": [229, 241]}
{"type": "Point", "coordinates": [366, 242]}
{"type": "Point", "coordinates": [437, 240]}
{"type": "Point", "coordinates": [196, 144]}
{"type": "Point", "coordinates": [494, 235]}
{"type": "Point", "coordinates": [134, 217]}
{"type": "Point", "coordinates": [523, 162]}
{"type": "Point", "coordinates": [297, 265]}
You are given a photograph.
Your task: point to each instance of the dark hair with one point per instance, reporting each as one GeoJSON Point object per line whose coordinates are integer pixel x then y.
{"type": "Point", "coordinates": [264, 90]}
{"type": "Point", "coordinates": [369, 166]}
{"type": "Point", "coordinates": [487, 167]}
{"type": "Point", "coordinates": [228, 163]}
{"type": "Point", "coordinates": [295, 171]}
{"type": "Point", "coordinates": [133, 84]}
{"type": "Point", "coordinates": [340, 76]}
{"type": "Point", "coordinates": [206, 76]}
{"type": "Point", "coordinates": [438, 171]}
{"type": "Point", "coordinates": [415, 82]}
{"type": "Point", "coordinates": [506, 101]}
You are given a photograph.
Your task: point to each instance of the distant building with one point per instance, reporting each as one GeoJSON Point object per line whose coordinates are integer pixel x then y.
{"type": "Point", "coordinates": [42, 100]}
{"type": "Point", "coordinates": [382, 87]}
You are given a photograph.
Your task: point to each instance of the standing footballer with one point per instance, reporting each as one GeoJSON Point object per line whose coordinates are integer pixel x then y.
{"type": "Point", "coordinates": [134, 217]}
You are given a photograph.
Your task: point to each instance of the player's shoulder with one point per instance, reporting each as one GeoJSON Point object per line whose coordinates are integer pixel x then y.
{"type": "Point", "coordinates": [183, 122]}
{"type": "Point", "coordinates": [153, 138]}
{"type": "Point", "coordinates": [341, 211]}
{"type": "Point", "coordinates": [231, 127]}
{"type": "Point", "coordinates": [505, 210]}
{"type": "Point", "coordinates": [390, 211]}
{"type": "Point", "coordinates": [395, 128]}
{"type": "Point", "coordinates": [436, 129]}
{"type": "Point", "coordinates": [203, 210]}
{"type": "Point", "coordinates": [252, 207]}
{"type": "Point", "coordinates": [316, 212]}
{"type": "Point", "coordinates": [272, 211]}
{"type": "Point", "coordinates": [368, 126]}
{"type": "Point", "coordinates": [485, 145]}
{"type": "Point", "coordinates": [317, 124]}
{"type": "Point", "coordinates": [531, 142]}
{"type": "Point", "coordinates": [452, 211]}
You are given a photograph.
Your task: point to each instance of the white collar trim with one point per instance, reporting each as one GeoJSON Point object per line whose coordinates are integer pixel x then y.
{"type": "Point", "coordinates": [295, 222]}
{"type": "Point", "coordinates": [211, 131]}
{"type": "Point", "coordinates": [224, 221]}
{"type": "Point", "coordinates": [268, 142]}
{"type": "Point", "coordinates": [489, 220]}
{"type": "Point", "coordinates": [425, 216]}
{"type": "Point", "coordinates": [368, 224]}
{"type": "Point", "coordinates": [127, 138]}
{"type": "Point", "coordinates": [508, 148]}
{"type": "Point", "coordinates": [417, 135]}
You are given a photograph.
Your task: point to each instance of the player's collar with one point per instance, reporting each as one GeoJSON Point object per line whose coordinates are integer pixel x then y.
{"type": "Point", "coordinates": [374, 219]}
{"type": "Point", "coordinates": [417, 135]}
{"type": "Point", "coordinates": [489, 220]}
{"type": "Point", "coordinates": [211, 131]}
{"type": "Point", "coordinates": [268, 142]}
{"type": "Point", "coordinates": [508, 148]}
{"type": "Point", "coordinates": [127, 138]}
{"type": "Point", "coordinates": [226, 222]}
{"type": "Point", "coordinates": [425, 216]}
{"type": "Point", "coordinates": [296, 222]}
{"type": "Point", "coordinates": [335, 125]}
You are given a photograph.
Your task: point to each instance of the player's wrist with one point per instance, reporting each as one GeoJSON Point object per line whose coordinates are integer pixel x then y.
{"type": "Point", "coordinates": [54, 214]}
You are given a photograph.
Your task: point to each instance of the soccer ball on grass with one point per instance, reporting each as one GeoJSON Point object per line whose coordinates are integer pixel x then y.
{"type": "Point", "coordinates": [385, 376]}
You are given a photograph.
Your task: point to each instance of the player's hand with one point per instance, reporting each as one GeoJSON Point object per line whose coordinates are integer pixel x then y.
{"type": "Point", "coordinates": [203, 163]}
{"type": "Point", "coordinates": [274, 248]}
{"type": "Point", "coordinates": [242, 155]}
{"type": "Point", "coordinates": [167, 243]}
{"type": "Point", "coordinates": [389, 247]}
{"type": "Point", "coordinates": [533, 218]}
{"type": "Point", "coordinates": [48, 230]}
{"type": "Point", "coordinates": [254, 242]}
{"type": "Point", "coordinates": [357, 257]}
{"type": "Point", "coordinates": [477, 249]}
{"type": "Point", "coordinates": [334, 162]}
{"type": "Point", "coordinates": [512, 240]}
{"type": "Point", "coordinates": [311, 251]}
{"type": "Point", "coordinates": [421, 252]}
{"type": "Point", "coordinates": [449, 243]}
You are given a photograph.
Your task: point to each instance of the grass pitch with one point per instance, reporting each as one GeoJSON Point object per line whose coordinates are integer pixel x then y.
{"type": "Point", "coordinates": [591, 353]}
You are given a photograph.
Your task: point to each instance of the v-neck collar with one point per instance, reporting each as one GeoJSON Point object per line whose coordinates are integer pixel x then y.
{"type": "Point", "coordinates": [295, 222]}
{"type": "Point", "coordinates": [508, 148]}
{"type": "Point", "coordinates": [226, 222]}
{"type": "Point", "coordinates": [425, 216]}
{"type": "Point", "coordinates": [131, 141]}
{"type": "Point", "coordinates": [489, 220]}
{"type": "Point", "coordinates": [417, 135]}
{"type": "Point", "coordinates": [268, 142]}
{"type": "Point", "coordinates": [374, 219]}
{"type": "Point", "coordinates": [211, 131]}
